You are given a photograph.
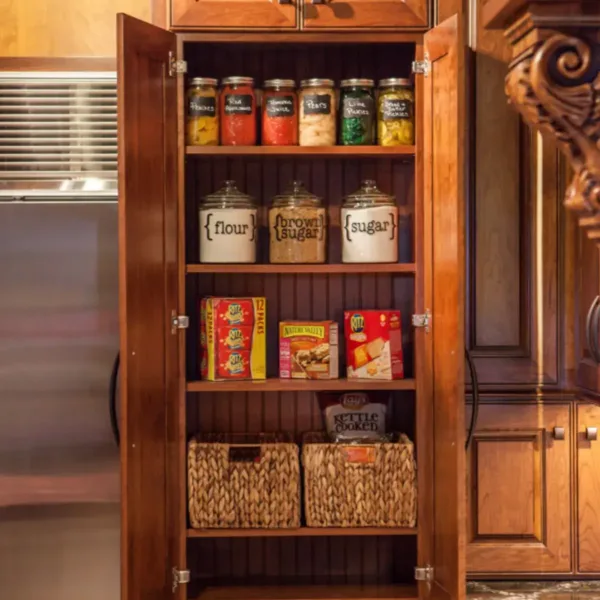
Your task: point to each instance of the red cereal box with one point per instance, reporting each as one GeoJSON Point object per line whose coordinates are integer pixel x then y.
{"type": "Point", "coordinates": [374, 344]}
{"type": "Point", "coordinates": [233, 365]}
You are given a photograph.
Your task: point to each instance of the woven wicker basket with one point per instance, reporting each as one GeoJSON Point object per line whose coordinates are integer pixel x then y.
{"type": "Point", "coordinates": [373, 485]}
{"type": "Point", "coordinates": [243, 481]}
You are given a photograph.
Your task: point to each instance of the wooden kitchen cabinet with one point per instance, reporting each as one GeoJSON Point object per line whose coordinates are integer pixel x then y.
{"type": "Point", "coordinates": [164, 402]}
{"type": "Point", "coordinates": [519, 489]}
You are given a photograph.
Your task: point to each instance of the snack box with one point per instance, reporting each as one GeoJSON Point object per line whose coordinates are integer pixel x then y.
{"type": "Point", "coordinates": [308, 350]}
{"type": "Point", "coordinates": [373, 344]}
{"type": "Point", "coordinates": [233, 338]}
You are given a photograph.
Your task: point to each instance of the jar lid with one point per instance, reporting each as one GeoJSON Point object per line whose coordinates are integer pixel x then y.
{"type": "Point", "coordinates": [203, 81]}
{"type": "Point", "coordinates": [228, 197]}
{"type": "Point", "coordinates": [238, 81]}
{"type": "Point", "coordinates": [368, 195]}
{"type": "Point", "coordinates": [296, 195]}
{"type": "Point", "coordinates": [395, 81]}
{"type": "Point", "coordinates": [274, 83]}
{"type": "Point", "coordinates": [316, 83]}
{"type": "Point", "coordinates": [357, 82]}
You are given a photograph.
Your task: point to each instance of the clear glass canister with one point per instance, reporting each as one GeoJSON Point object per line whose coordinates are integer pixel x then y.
{"type": "Point", "coordinates": [357, 112]}
{"type": "Point", "coordinates": [202, 116]}
{"type": "Point", "coordinates": [395, 113]}
{"type": "Point", "coordinates": [369, 226]}
{"type": "Point", "coordinates": [297, 227]}
{"type": "Point", "coordinates": [318, 109]}
{"type": "Point", "coordinates": [228, 227]}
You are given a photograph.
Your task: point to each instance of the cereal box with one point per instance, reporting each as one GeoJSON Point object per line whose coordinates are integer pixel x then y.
{"type": "Point", "coordinates": [233, 338]}
{"type": "Point", "coordinates": [374, 344]}
{"type": "Point", "coordinates": [308, 350]}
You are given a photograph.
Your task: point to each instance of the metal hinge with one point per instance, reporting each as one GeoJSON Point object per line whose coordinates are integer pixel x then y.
{"type": "Point", "coordinates": [423, 320]}
{"type": "Point", "coordinates": [179, 321]}
{"type": "Point", "coordinates": [422, 67]}
{"type": "Point", "coordinates": [176, 66]}
{"type": "Point", "coordinates": [424, 573]}
{"type": "Point", "coordinates": [179, 577]}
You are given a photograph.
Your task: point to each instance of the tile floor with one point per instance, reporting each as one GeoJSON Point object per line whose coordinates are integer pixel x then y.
{"type": "Point", "coordinates": [544, 590]}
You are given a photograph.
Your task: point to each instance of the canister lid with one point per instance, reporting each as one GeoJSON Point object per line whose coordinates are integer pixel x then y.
{"type": "Point", "coordinates": [368, 195]}
{"type": "Point", "coordinates": [296, 195]}
{"type": "Point", "coordinates": [316, 83]}
{"type": "Point", "coordinates": [228, 197]}
{"type": "Point", "coordinates": [392, 81]}
{"type": "Point", "coordinates": [357, 83]}
{"type": "Point", "coordinates": [237, 81]}
{"type": "Point", "coordinates": [203, 81]}
{"type": "Point", "coordinates": [279, 83]}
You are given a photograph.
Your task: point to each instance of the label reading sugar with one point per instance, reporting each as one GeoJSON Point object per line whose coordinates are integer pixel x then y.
{"type": "Point", "coordinates": [357, 108]}
{"type": "Point", "coordinates": [280, 106]}
{"type": "Point", "coordinates": [317, 104]}
{"type": "Point", "coordinates": [202, 107]}
{"type": "Point", "coordinates": [396, 109]}
{"type": "Point", "coordinates": [238, 104]}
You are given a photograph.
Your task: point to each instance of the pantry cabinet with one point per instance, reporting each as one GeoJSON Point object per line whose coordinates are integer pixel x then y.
{"type": "Point", "coordinates": [164, 401]}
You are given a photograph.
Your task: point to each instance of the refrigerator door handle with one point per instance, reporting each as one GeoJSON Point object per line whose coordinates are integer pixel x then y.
{"type": "Point", "coordinates": [112, 400]}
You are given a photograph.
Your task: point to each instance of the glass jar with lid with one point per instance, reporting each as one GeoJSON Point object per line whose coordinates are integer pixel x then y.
{"type": "Point", "coordinates": [369, 226]}
{"type": "Point", "coordinates": [357, 112]}
{"type": "Point", "coordinates": [202, 114]}
{"type": "Point", "coordinates": [395, 112]}
{"type": "Point", "coordinates": [279, 113]}
{"type": "Point", "coordinates": [238, 112]}
{"type": "Point", "coordinates": [228, 226]}
{"type": "Point", "coordinates": [297, 227]}
{"type": "Point", "coordinates": [318, 109]}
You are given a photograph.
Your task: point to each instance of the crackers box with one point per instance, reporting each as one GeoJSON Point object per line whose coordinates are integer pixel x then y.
{"type": "Point", "coordinates": [374, 344]}
{"type": "Point", "coordinates": [308, 350]}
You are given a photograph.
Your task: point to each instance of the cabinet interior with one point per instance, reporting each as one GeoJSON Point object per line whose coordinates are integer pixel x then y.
{"type": "Point", "coordinates": [344, 557]}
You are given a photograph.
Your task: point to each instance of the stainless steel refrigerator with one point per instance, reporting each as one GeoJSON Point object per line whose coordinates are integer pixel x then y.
{"type": "Point", "coordinates": [59, 462]}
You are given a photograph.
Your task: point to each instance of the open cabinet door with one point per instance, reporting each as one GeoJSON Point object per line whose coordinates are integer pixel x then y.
{"type": "Point", "coordinates": [148, 238]}
{"type": "Point", "coordinates": [444, 125]}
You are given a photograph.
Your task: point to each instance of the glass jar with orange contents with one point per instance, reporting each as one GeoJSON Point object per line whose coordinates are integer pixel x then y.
{"type": "Point", "coordinates": [279, 113]}
{"type": "Point", "coordinates": [238, 112]}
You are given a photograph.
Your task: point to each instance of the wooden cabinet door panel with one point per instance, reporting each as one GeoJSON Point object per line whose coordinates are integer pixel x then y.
{"type": "Point", "coordinates": [148, 288]}
{"type": "Point", "coordinates": [441, 351]}
{"type": "Point", "coordinates": [519, 485]}
{"type": "Point", "coordinates": [241, 14]}
{"type": "Point", "coordinates": [365, 14]}
{"type": "Point", "coordinates": [588, 480]}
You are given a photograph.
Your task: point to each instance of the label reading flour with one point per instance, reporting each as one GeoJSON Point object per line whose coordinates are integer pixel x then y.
{"type": "Point", "coordinates": [228, 236]}
{"type": "Point", "coordinates": [370, 234]}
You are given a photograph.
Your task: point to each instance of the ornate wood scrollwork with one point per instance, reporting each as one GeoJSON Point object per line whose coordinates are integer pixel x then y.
{"type": "Point", "coordinates": [555, 85]}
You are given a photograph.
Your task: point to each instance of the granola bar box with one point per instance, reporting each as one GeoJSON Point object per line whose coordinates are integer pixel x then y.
{"type": "Point", "coordinates": [308, 350]}
{"type": "Point", "coordinates": [373, 344]}
{"type": "Point", "coordinates": [233, 338]}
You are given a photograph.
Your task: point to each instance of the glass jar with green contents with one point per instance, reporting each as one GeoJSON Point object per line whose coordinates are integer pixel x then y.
{"type": "Point", "coordinates": [357, 112]}
{"type": "Point", "coordinates": [395, 112]}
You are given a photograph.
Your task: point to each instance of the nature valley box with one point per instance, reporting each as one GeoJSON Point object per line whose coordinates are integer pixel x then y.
{"type": "Point", "coordinates": [308, 350]}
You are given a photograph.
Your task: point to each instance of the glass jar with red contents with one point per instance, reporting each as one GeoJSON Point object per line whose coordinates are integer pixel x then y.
{"type": "Point", "coordinates": [279, 113]}
{"type": "Point", "coordinates": [238, 112]}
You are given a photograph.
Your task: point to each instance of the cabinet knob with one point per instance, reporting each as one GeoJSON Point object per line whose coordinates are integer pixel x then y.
{"type": "Point", "coordinates": [558, 433]}
{"type": "Point", "coordinates": [591, 434]}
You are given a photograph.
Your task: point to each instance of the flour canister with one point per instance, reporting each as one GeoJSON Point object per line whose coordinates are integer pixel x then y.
{"type": "Point", "coordinates": [369, 226]}
{"type": "Point", "coordinates": [228, 227]}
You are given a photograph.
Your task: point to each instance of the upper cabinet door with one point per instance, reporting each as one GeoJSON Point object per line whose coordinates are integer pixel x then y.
{"type": "Point", "coordinates": [241, 15]}
{"type": "Point", "coordinates": [148, 245]}
{"type": "Point", "coordinates": [365, 14]}
{"type": "Point", "coordinates": [441, 142]}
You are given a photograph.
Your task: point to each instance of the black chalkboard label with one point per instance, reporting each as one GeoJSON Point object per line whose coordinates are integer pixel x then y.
{"type": "Point", "coordinates": [202, 107]}
{"type": "Point", "coordinates": [357, 108]}
{"type": "Point", "coordinates": [238, 104]}
{"type": "Point", "coordinates": [247, 454]}
{"type": "Point", "coordinates": [280, 106]}
{"type": "Point", "coordinates": [396, 109]}
{"type": "Point", "coordinates": [317, 104]}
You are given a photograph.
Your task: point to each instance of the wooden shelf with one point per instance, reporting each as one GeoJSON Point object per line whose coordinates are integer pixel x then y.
{"type": "Point", "coordinates": [339, 269]}
{"type": "Point", "coordinates": [316, 592]}
{"type": "Point", "coordinates": [299, 385]}
{"type": "Point", "coordinates": [321, 151]}
{"type": "Point", "coordinates": [302, 532]}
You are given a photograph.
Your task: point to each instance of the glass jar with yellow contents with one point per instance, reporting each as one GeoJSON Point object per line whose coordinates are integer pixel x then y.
{"type": "Point", "coordinates": [395, 112]}
{"type": "Point", "coordinates": [202, 113]}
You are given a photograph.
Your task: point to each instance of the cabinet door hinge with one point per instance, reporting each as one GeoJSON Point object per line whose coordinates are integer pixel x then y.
{"type": "Point", "coordinates": [424, 573]}
{"type": "Point", "coordinates": [422, 67]}
{"type": "Point", "coordinates": [179, 321]}
{"type": "Point", "coordinates": [176, 66]}
{"type": "Point", "coordinates": [423, 320]}
{"type": "Point", "coordinates": [179, 578]}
